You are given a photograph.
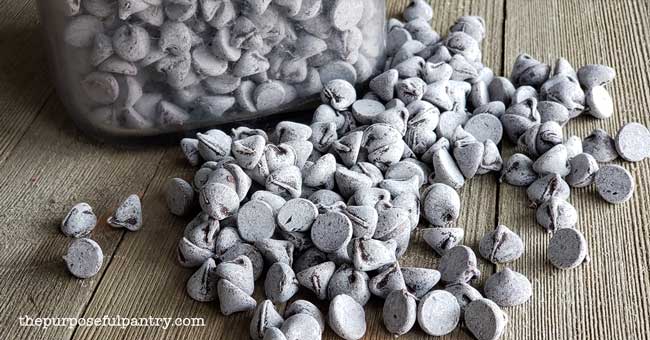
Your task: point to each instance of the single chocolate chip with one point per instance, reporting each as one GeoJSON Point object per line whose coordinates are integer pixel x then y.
{"type": "Point", "coordinates": [79, 221]}
{"type": "Point", "coordinates": [347, 317]}
{"type": "Point", "coordinates": [567, 249]}
{"type": "Point", "coordinates": [501, 245]}
{"type": "Point", "coordinates": [614, 184]}
{"type": "Point", "coordinates": [485, 320]}
{"type": "Point", "coordinates": [84, 258]}
{"type": "Point", "coordinates": [438, 313]}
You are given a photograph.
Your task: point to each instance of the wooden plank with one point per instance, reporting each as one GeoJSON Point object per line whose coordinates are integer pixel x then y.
{"type": "Point", "coordinates": [24, 85]}
{"type": "Point", "coordinates": [607, 298]}
{"type": "Point", "coordinates": [144, 278]}
{"type": "Point", "coordinates": [53, 167]}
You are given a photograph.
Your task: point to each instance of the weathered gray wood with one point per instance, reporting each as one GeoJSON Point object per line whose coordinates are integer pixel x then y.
{"type": "Point", "coordinates": [52, 168]}
{"type": "Point", "coordinates": [24, 86]}
{"type": "Point", "coordinates": [46, 166]}
{"type": "Point", "coordinates": [608, 297]}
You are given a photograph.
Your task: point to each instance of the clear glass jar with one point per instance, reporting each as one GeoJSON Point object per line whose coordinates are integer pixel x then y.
{"type": "Point", "coordinates": [128, 69]}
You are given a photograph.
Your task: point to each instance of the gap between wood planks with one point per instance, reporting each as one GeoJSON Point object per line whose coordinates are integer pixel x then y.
{"type": "Point", "coordinates": [502, 72]}
{"type": "Point", "coordinates": [119, 243]}
{"type": "Point", "coordinates": [5, 154]}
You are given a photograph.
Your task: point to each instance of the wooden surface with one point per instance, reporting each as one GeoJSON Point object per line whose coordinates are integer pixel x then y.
{"type": "Point", "coordinates": [47, 165]}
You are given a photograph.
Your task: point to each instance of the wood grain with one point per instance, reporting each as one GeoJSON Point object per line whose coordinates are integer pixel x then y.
{"type": "Point", "coordinates": [608, 297]}
{"type": "Point", "coordinates": [52, 168]}
{"type": "Point", "coordinates": [24, 85]}
{"type": "Point", "coordinates": [46, 166]}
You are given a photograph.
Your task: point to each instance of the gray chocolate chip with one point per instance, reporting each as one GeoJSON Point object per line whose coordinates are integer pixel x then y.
{"type": "Point", "coordinates": [441, 205]}
{"type": "Point", "coordinates": [179, 196]}
{"type": "Point", "coordinates": [370, 254]}
{"type": "Point", "coordinates": [410, 90]}
{"type": "Point", "coordinates": [554, 161]}
{"type": "Point", "coordinates": [331, 231]}
{"type": "Point", "coordinates": [458, 265]}
{"type": "Point", "coordinates": [338, 93]}
{"type": "Point", "coordinates": [79, 221]}
{"type": "Point", "coordinates": [316, 278]}
{"type": "Point", "coordinates": [239, 272]}
{"type": "Point", "coordinates": [214, 145]}
{"type": "Point", "coordinates": [529, 71]}
{"type": "Point", "coordinates": [485, 320]}
{"type": "Point", "coordinates": [308, 308]}
{"type": "Point", "coordinates": [468, 154]}
{"type": "Point", "coordinates": [232, 299]}
{"type": "Point", "coordinates": [297, 215]}
{"type": "Point", "coordinates": [281, 283]}
{"type": "Point", "coordinates": [552, 111]}
{"type": "Point", "coordinates": [131, 42]}
{"type": "Point", "coordinates": [269, 95]}
{"type": "Point", "coordinates": [384, 84]}
{"type": "Point", "coordinates": [501, 245]}
{"type": "Point", "coordinates": [227, 238]}
{"type": "Point", "coordinates": [523, 93]}
{"type": "Point", "coordinates": [508, 288]}
{"type": "Point", "coordinates": [502, 90]}
{"type": "Point", "coordinates": [301, 326]}
{"type": "Point", "coordinates": [128, 215]}
{"type": "Point", "coordinates": [247, 250]}
{"type": "Point", "coordinates": [349, 182]}
{"type": "Point", "coordinates": [485, 126]}
{"type": "Point", "coordinates": [276, 251]}
{"type": "Point", "coordinates": [286, 182]}
{"type": "Point", "coordinates": [279, 156]}
{"type": "Point", "coordinates": [248, 151]}
{"type": "Point", "coordinates": [256, 221]}
{"type": "Point", "coordinates": [583, 170]}
{"type": "Point", "coordinates": [442, 239]}
{"type": "Point", "coordinates": [190, 255]}
{"type": "Point", "coordinates": [600, 145]}
{"type": "Point", "coordinates": [400, 312]}
{"type": "Point", "coordinates": [519, 118]}
{"type": "Point", "coordinates": [556, 214]}
{"type": "Point", "coordinates": [633, 142]}
{"type": "Point", "coordinates": [218, 200]}
{"type": "Point", "coordinates": [599, 103]}
{"type": "Point", "coordinates": [84, 258]}
{"type": "Point", "coordinates": [518, 171]}
{"type": "Point", "coordinates": [202, 285]}
{"type": "Point", "coordinates": [567, 249]}
{"type": "Point", "coordinates": [464, 294]}
{"type": "Point", "coordinates": [446, 170]}
{"type": "Point", "coordinates": [547, 187]}
{"type": "Point", "coordinates": [202, 231]}
{"type": "Point", "coordinates": [349, 281]}
{"type": "Point", "coordinates": [347, 317]}
{"type": "Point", "coordinates": [101, 87]}
{"type": "Point", "coordinates": [265, 317]}
{"type": "Point", "coordinates": [593, 75]}
{"type": "Point", "coordinates": [364, 220]}
{"type": "Point", "coordinates": [419, 281]}
{"type": "Point", "coordinates": [338, 70]}
{"type": "Point", "coordinates": [438, 313]}
{"type": "Point", "coordinates": [614, 184]}
{"type": "Point", "coordinates": [418, 9]}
